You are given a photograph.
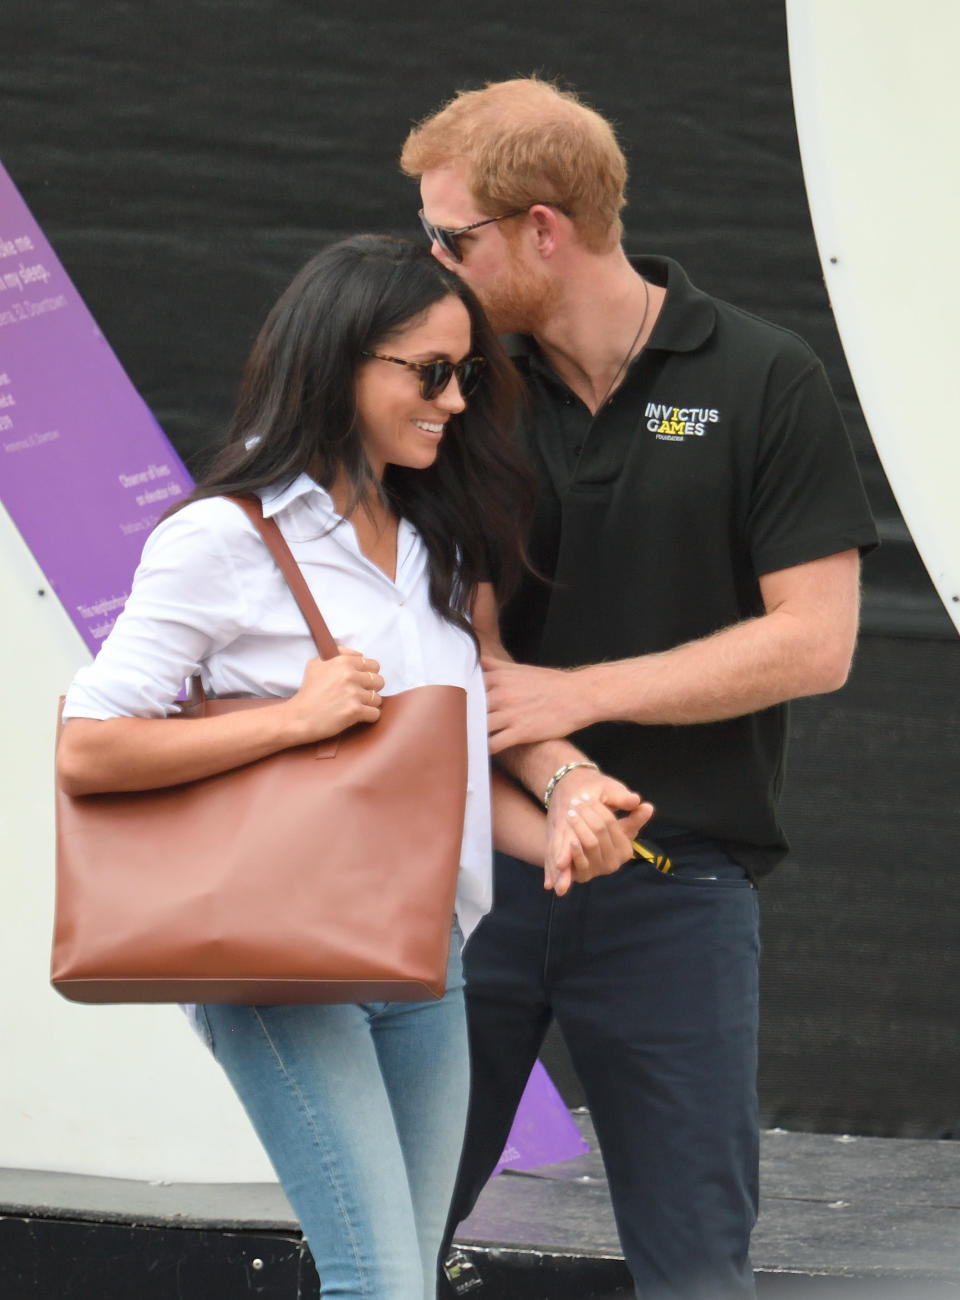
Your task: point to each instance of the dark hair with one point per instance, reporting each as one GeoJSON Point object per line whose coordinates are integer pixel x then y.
{"type": "Point", "coordinates": [296, 411]}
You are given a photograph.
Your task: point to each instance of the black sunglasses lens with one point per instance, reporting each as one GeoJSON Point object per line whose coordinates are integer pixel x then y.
{"type": "Point", "coordinates": [450, 244]}
{"type": "Point", "coordinates": [446, 240]}
{"type": "Point", "coordinates": [469, 377]}
{"type": "Point", "coordinates": [434, 378]}
{"type": "Point", "coordinates": [436, 375]}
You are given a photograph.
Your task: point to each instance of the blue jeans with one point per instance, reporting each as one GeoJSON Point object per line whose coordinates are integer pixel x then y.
{"type": "Point", "coordinates": [653, 982]}
{"type": "Point", "coordinates": [361, 1109]}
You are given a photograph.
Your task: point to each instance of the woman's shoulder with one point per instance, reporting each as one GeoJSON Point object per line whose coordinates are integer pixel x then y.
{"type": "Point", "coordinates": [210, 523]}
{"type": "Point", "coordinates": [219, 513]}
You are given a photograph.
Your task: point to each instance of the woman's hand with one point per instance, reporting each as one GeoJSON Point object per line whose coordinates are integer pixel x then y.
{"type": "Point", "coordinates": [591, 821]}
{"type": "Point", "coordinates": [335, 694]}
{"type": "Point", "coordinates": [147, 753]}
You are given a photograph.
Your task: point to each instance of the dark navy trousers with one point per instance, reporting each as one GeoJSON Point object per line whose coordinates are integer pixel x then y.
{"type": "Point", "coordinates": [653, 983]}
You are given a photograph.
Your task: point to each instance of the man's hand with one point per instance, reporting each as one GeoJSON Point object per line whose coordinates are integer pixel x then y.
{"type": "Point", "coordinates": [585, 837]}
{"type": "Point", "coordinates": [527, 704]}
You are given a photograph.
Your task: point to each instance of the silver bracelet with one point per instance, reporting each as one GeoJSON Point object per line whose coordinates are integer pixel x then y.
{"type": "Point", "coordinates": [560, 773]}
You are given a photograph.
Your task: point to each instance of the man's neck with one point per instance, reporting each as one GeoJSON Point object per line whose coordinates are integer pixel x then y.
{"type": "Point", "coordinates": [602, 321]}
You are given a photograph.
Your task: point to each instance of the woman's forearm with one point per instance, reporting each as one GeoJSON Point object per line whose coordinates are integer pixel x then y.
{"type": "Point", "coordinates": [519, 827]}
{"type": "Point", "coordinates": [118, 754]}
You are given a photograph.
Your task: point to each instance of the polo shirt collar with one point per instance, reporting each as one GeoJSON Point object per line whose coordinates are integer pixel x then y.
{"type": "Point", "coordinates": [685, 322]}
{"type": "Point", "coordinates": [688, 316]}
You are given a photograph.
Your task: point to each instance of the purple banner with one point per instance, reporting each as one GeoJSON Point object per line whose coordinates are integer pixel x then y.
{"type": "Point", "coordinates": [85, 470]}
{"type": "Point", "coordinates": [544, 1132]}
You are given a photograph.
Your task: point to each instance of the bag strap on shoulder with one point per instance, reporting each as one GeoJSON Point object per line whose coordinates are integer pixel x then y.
{"type": "Point", "coordinates": [276, 543]}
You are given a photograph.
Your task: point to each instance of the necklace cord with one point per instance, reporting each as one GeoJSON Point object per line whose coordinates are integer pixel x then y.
{"type": "Point", "coordinates": [636, 338]}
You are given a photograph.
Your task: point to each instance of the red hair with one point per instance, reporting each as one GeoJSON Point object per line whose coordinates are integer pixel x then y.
{"type": "Point", "coordinates": [523, 142]}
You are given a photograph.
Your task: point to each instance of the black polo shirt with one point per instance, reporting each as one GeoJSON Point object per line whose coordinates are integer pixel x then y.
{"type": "Point", "coordinates": [721, 457]}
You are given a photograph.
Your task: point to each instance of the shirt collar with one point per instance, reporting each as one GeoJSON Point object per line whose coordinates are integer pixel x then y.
{"type": "Point", "coordinates": [688, 315]}
{"type": "Point", "coordinates": [685, 322]}
{"type": "Point", "coordinates": [278, 496]}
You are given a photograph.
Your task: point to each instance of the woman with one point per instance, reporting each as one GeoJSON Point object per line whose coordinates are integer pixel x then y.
{"type": "Point", "coordinates": [403, 506]}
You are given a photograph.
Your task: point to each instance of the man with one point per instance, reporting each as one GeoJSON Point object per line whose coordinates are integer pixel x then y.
{"type": "Point", "coordinates": [699, 519]}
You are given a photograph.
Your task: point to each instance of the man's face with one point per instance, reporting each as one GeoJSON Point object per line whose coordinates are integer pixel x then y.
{"type": "Point", "coordinates": [515, 290]}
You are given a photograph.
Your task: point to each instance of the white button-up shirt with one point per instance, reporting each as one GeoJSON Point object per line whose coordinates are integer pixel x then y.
{"type": "Point", "coordinates": [208, 598]}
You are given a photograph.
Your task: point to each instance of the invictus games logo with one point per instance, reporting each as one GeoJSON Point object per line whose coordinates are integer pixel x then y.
{"type": "Point", "coordinates": [675, 423]}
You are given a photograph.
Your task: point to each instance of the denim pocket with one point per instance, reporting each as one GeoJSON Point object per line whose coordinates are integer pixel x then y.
{"type": "Point", "coordinates": [709, 875]}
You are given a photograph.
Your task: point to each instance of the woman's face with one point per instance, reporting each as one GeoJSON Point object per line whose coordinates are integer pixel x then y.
{"type": "Point", "coordinates": [398, 426]}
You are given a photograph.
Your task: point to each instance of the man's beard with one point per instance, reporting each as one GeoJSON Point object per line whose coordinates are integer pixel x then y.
{"type": "Point", "coordinates": [520, 301]}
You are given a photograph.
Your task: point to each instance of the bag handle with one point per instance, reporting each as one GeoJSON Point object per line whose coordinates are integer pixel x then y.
{"type": "Point", "coordinates": [276, 544]}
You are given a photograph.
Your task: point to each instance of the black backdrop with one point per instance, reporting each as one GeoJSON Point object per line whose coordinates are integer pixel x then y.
{"type": "Point", "coordinates": [185, 157]}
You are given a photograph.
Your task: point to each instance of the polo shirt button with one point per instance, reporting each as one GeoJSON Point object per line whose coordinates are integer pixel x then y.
{"type": "Point", "coordinates": [578, 449]}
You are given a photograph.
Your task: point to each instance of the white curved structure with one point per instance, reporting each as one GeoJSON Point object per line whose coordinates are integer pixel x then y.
{"type": "Point", "coordinates": [878, 116]}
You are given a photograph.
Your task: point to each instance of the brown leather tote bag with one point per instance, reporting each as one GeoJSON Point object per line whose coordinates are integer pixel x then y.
{"type": "Point", "coordinates": [323, 873]}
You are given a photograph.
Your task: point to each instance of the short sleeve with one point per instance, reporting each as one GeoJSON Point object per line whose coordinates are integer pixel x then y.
{"type": "Point", "coordinates": [807, 499]}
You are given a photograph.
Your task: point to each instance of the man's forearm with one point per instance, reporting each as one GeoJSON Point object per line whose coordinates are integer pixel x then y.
{"type": "Point", "coordinates": [741, 670]}
{"type": "Point", "coordinates": [802, 645]}
{"type": "Point", "coordinates": [533, 765]}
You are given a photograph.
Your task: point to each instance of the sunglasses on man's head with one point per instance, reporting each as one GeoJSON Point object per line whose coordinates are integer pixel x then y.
{"type": "Point", "coordinates": [435, 375]}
